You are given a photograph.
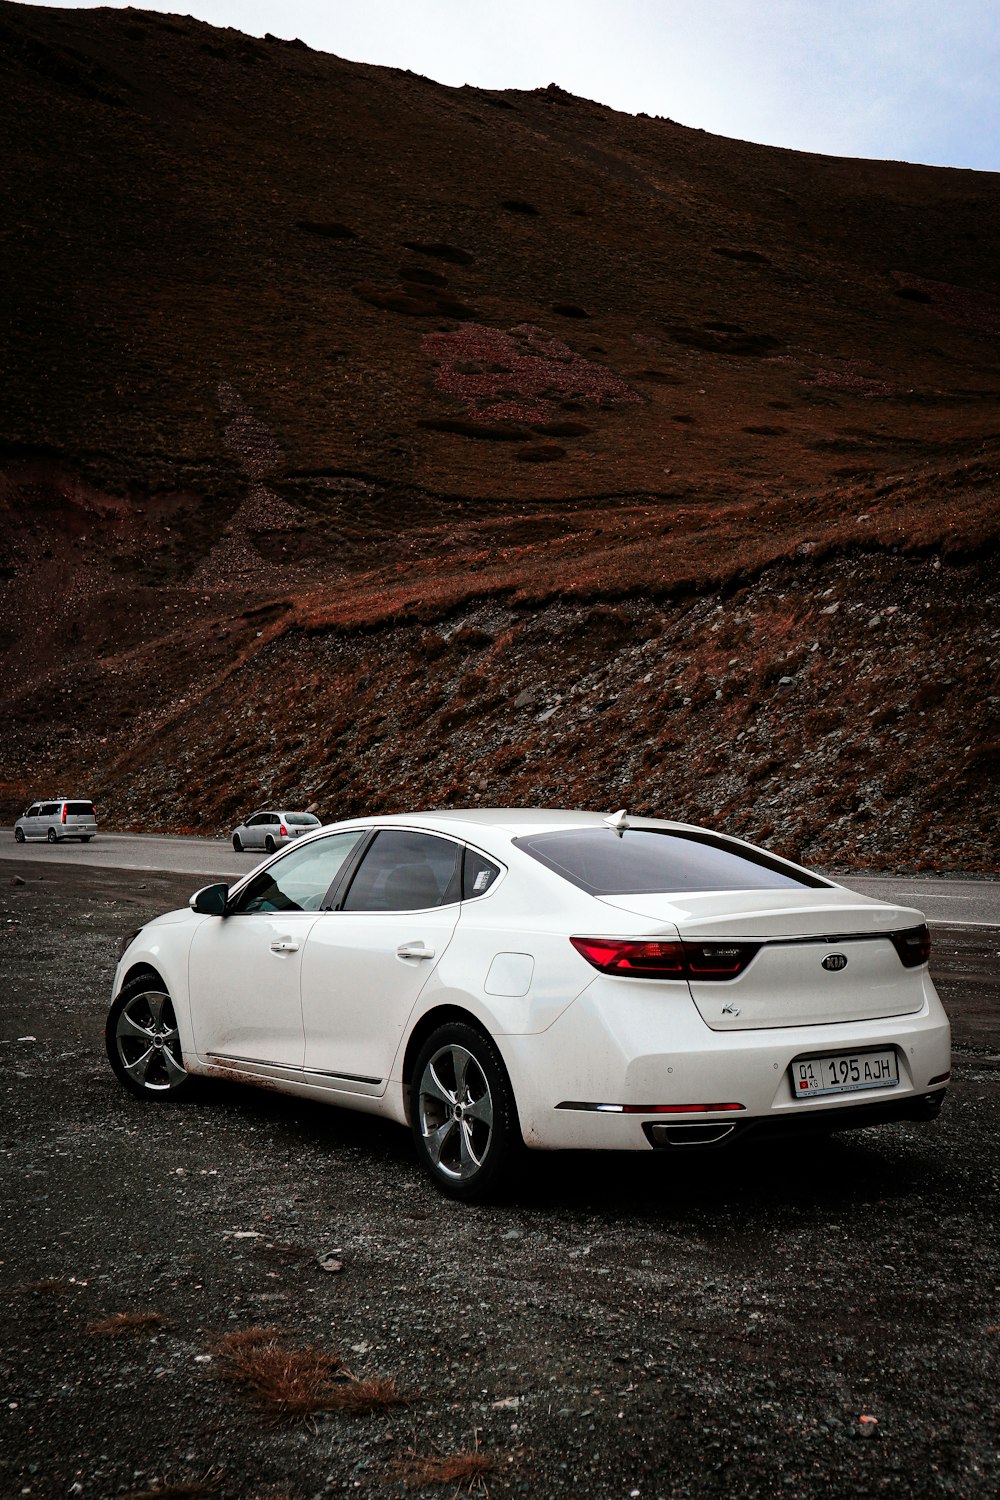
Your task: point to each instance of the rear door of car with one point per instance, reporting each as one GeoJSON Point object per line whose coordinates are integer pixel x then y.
{"type": "Point", "coordinates": [253, 836]}
{"type": "Point", "coordinates": [366, 962]}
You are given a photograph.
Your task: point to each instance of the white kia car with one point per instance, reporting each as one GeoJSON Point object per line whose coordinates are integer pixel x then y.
{"type": "Point", "coordinates": [503, 978]}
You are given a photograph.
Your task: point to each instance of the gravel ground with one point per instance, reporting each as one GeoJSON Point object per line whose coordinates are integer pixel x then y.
{"type": "Point", "coordinates": [821, 1320]}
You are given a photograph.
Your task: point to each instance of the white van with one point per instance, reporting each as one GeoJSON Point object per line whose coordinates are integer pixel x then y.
{"type": "Point", "coordinates": [57, 820]}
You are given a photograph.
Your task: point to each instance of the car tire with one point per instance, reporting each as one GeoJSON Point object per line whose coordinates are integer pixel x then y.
{"type": "Point", "coordinates": [269, 844]}
{"type": "Point", "coordinates": [143, 1043]}
{"type": "Point", "coordinates": [85, 838]}
{"type": "Point", "coordinates": [19, 835]}
{"type": "Point", "coordinates": [463, 1114]}
{"type": "Point", "coordinates": [237, 843]}
{"type": "Point", "coordinates": [52, 836]}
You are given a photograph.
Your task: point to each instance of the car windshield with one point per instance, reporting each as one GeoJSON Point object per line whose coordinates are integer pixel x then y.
{"type": "Point", "coordinates": [645, 861]}
{"type": "Point", "coordinates": [302, 820]}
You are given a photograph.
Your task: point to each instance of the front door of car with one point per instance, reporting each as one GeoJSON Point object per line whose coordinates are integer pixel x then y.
{"type": "Point", "coordinates": [366, 963]}
{"type": "Point", "coordinates": [245, 967]}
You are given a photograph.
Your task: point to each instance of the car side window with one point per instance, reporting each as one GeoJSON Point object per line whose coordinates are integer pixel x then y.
{"type": "Point", "coordinates": [300, 879]}
{"type": "Point", "coordinates": [478, 875]}
{"type": "Point", "coordinates": [255, 821]}
{"type": "Point", "coordinates": [406, 871]}
{"type": "Point", "coordinates": [48, 809]}
{"type": "Point", "coordinates": [33, 811]}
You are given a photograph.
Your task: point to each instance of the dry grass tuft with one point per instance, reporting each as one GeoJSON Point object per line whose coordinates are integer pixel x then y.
{"type": "Point", "coordinates": [295, 1383]}
{"type": "Point", "coordinates": [116, 1325]}
{"type": "Point", "coordinates": [193, 1490]}
{"type": "Point", "coordinates": [459, 1469]}
{"type": "Point", "coordinates": [358, 1397]}
{"type": "Point", "coordinates": [181, 1489]}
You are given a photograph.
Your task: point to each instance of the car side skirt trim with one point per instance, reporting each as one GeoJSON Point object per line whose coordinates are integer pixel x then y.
{"type": "Point", "coordinates": [259, 1062]}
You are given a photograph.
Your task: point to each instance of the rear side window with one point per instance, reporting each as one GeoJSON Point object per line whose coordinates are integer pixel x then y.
{"type": "Point", "coordinates": [643, 861]}
{"type": "Point", "coordinates": [406, 871]}
{"type": "Point", "coordinates": [80, 809]}
{"type": "Point", "coordinates": [478, 875]}
{"type": "Point", "coordinates": [49, 809]}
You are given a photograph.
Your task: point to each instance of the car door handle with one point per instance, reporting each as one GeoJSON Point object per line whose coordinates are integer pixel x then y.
{"type": "Point", "coordinates": [414, 950]}
{"type": "Point", "coordinates": [284, 945]}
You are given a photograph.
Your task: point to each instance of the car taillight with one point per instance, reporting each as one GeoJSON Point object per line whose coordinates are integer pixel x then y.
{"type": "Point", "coordinates": [643, 959]}
{"type": "Point", "coordinates": [64, 812]}
{"type": "Point", "coordinates": [913, 946]}
{"type": "Point", "coordinates": [283, 831]}
{"type": "Point", "coordinates": [718, 960]}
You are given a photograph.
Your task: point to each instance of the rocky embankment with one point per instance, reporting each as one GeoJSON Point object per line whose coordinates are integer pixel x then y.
{"type": "Point", "coordinates": [840, 711]}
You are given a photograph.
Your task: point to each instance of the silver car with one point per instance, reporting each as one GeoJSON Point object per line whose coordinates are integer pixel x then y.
{"type": "Point", "coordinates": [272, 830]}
{"type": "Point", "coordinates": [57, 820]}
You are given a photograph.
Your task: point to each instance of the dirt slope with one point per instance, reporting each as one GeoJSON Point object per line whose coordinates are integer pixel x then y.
{"type": "Point", "coordinates": [339, 410]}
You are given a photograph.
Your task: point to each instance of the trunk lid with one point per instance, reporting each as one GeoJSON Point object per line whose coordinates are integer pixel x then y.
{"type": "Point", "coordinates": [786, 982]}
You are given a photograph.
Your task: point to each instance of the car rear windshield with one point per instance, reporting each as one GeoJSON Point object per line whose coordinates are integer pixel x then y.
{"type": "Point", "coordinates": [79, 809]}
{"type": "Point", "coordinates": [302, 820]}
{"type": "Point", "coordinates": [645, 861]}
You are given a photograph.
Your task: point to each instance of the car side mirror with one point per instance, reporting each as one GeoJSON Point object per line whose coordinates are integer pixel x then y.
{"type": "Point", "coordinates": [210, 901]}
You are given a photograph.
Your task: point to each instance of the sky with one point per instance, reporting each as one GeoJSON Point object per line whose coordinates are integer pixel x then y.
{"type": "Point", "coordinates": [907, 80]}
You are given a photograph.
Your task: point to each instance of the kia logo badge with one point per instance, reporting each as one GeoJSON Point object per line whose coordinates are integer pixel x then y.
{"type": "Point", "coordinates": [835, 962]}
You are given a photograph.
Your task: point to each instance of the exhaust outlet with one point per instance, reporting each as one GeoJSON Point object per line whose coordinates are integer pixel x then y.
{"type": "Point", "coordinates": [689, 1135]}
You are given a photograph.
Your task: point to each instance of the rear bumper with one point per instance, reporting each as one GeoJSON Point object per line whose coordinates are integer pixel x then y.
{"type": "Point", "coordinates": [606, 1073]}
{"type": "Point", "coordinates": [721, 1133]}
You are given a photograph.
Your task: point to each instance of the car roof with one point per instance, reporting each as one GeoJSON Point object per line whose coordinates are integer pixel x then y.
{"type": "Point", "coordinates": [282, 812]}
{"type": "Point", "coordinates": [513, 820]}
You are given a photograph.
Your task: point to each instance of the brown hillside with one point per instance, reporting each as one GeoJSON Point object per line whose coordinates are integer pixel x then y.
{"type": "Point", "coordinates": [366, 442]}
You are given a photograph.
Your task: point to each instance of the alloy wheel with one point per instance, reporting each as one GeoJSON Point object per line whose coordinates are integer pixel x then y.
{"type": "Point", "coordinates": [455, 1111]}
{"type": "Point", "coordinates": [148, 1044]}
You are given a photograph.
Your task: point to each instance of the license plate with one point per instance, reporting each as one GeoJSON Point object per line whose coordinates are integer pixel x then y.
{"type": "Point", "coordinates": [844, 1073]}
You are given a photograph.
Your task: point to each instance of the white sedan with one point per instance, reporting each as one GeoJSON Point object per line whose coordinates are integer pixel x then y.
{"type": "Point", "coordinates": [503, 978]}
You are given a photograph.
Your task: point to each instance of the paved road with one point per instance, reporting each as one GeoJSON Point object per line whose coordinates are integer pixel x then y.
{"type": "Point", "coordinates": [965, 903]}
{"type": "Point", "coordinates": [163, 853]}
{"type": "Point", "coordinates": [960, 903]}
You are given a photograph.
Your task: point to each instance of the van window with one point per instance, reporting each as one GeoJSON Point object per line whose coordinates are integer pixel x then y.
{"type": "Point", "coordinates": [80, 809]}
